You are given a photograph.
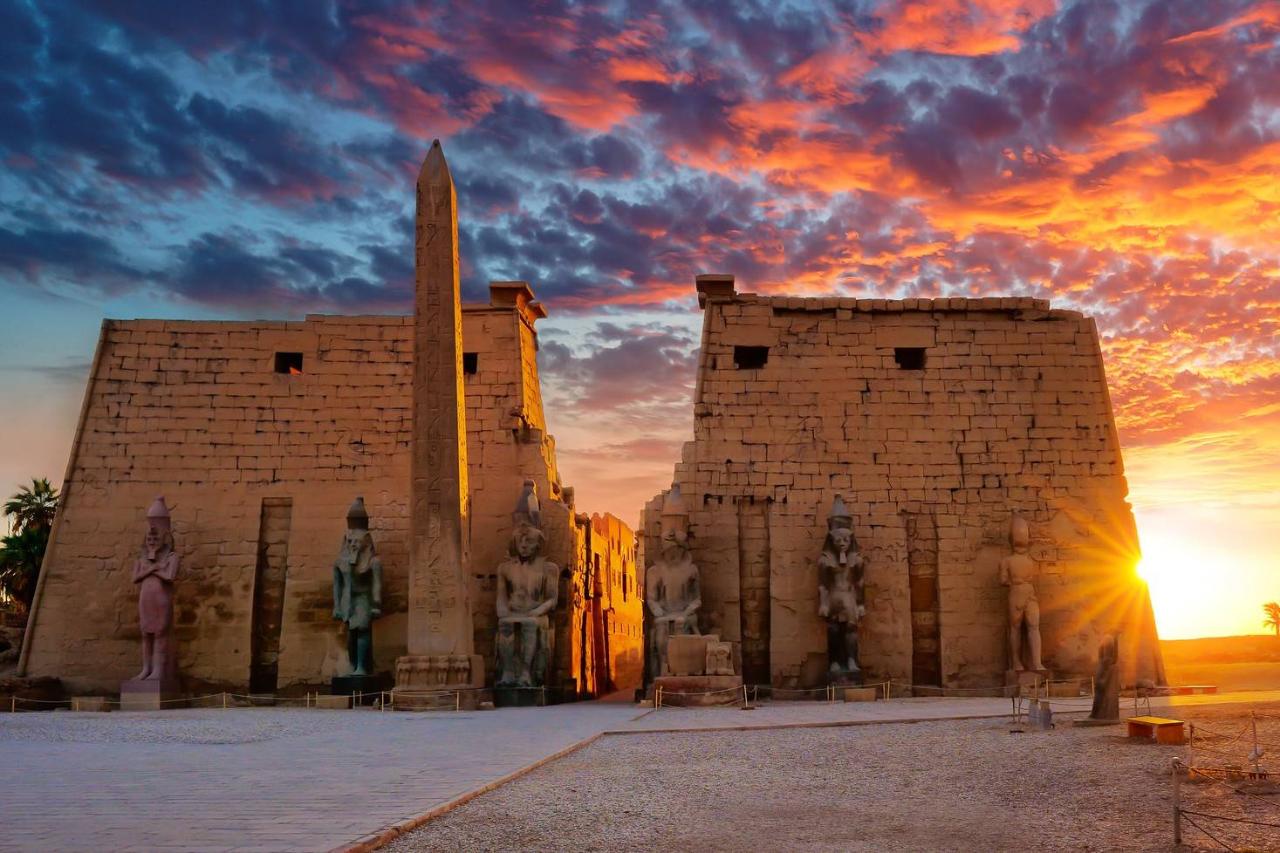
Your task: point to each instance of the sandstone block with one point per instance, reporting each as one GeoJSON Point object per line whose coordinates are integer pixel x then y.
{"type": "Point", "coordinates": [687, 653]}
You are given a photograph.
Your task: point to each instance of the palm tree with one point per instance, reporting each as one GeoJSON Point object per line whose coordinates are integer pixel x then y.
{"type": "Point", "coordinates": [1272, 609]}
{"type": "Point", "coordinates": [30, 510]}
{"type": "Point", "coordinates": [33, 507]}
{"type": "Point", "coordinates": [20, 557]}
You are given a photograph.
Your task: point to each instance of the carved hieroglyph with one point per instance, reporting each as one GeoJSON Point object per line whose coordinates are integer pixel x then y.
{"type": "Point", "coordinates": [439, 609]}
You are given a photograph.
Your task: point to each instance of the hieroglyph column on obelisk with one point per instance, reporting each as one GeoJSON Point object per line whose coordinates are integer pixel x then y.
{"type": "Point", "coordinates": [439, 629]}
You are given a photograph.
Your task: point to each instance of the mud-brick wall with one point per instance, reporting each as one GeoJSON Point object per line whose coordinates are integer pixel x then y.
{"type": "Point", "coordinates": [196, 411]}
{"type": "Point", "coordinates": [1009, 413]}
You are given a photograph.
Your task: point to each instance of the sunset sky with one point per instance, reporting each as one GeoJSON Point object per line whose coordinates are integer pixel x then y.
{"type": "Point", "coordinates": [237, 160]}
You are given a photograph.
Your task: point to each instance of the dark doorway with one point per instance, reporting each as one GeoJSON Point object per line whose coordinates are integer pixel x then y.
{"type": "Point", "coordinates": [753, 589]}
{"type": "Point", "coordinates": [268, 593]}
{"type": "Point", "coordinates": [922, 571]}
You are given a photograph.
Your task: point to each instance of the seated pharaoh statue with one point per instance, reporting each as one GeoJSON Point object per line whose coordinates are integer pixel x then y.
{"type": "Point", "coordinates": [672, 590]}
{"type": "Point", "coordinates": [528, 588]}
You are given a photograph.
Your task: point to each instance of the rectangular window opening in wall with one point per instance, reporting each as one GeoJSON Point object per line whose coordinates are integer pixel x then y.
{"type": "Point", "coordinates": [750, 358]}
{"type": "Point", "coordinates": [289, 363]}
{"type": "Point", "coordinates": [470, 363]}
{"type": "Point", "coordinates": [909, 358]}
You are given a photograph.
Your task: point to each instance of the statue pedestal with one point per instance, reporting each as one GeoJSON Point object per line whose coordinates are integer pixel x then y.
{"type": "Point", "coordinates": [699, 690]}
{"type": "Point", "coordinates": [367, 687]}
{"type": "Point", "coordinates": [425, 682]}
{"type": "Point", "coordinates": [151, 695]}
{"type": "Point", "coordinates": [845, 679]}
{"type": "Point", "coordinates": [1026, 680]}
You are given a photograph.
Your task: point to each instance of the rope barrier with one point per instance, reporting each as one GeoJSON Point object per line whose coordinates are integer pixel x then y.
{"type": "Point", "coordinates": [1223, 776]}
{"type": "Point", "coordinates": [1215, 838]}
{"type": "Point", "coordinates": [1232, 819]}
{"type": "Point", "coordinates": [1228, 772]}
{"type": "Point", "coordinates": [660, 694]}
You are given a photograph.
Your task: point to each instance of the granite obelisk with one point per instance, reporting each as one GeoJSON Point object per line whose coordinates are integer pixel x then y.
{"type": "Point", "coordinates": [439, 618]}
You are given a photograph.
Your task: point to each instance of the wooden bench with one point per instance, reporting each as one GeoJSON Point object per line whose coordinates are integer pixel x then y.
{"type": "Point", "coordinates": [1163, 729]}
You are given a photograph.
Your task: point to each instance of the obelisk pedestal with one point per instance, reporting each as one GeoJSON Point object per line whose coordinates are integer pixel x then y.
{"type": "Point", "coordinates": [441, 659]}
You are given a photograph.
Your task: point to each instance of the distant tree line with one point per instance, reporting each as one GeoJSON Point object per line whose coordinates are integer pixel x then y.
{"type": "Point", "coordinates": [1272, 609]}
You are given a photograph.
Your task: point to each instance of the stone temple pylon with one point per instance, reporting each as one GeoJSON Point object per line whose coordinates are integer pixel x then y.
{"type": "Point", "coordinates": [441, 650]}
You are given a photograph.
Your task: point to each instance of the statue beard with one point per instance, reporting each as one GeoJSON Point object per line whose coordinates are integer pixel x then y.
{"type": "Point", "coordinates": [358, 562]}
{"type": "Point", "coordinates": [152, 553]}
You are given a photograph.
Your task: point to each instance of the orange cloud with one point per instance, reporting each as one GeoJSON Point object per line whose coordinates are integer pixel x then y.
{"type": "Point", "coordinates": [956, 27]}
{"type": "Point", "coordinates": [1266, 13]}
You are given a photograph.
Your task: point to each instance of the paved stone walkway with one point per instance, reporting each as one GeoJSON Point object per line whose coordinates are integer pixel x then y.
{"type": "Point", "coordinates": [295, 779]}
{"type": "Point", "coordinates": [258, 779]}
{"type": "Point", "coordinates": [803, 714]}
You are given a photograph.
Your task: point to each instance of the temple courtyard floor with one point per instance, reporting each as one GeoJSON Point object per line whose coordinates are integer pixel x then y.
{"type": "Point", "coordinates": [907, 774]}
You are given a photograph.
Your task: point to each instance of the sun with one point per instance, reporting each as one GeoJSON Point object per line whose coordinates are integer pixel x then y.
{"type": "Point", "coordinates": [1194, 582]}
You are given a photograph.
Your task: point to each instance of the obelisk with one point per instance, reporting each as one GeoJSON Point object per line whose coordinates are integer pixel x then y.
{"type": "Point", "coordinates": [439, 618]}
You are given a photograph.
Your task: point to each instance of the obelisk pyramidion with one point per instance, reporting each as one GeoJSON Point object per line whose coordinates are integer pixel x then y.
{"type": "Point", "coordinates": [439, 619]}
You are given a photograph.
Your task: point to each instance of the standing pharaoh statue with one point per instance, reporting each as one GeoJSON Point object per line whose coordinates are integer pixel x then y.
{"type": "Point", "coordinates": [528, 589]}
{"type": "Point", "coordinates": [841, 600]}
{"type": "Point", "coordinates": [1018, 572]}
{"type": "Point", "coordinates": [154, 572]}
{"type": "Point", "coordinates": [357, 589]}
{"type": "Point", "coordinates": [1106, 682]}
{"type": "Point", "coordinates": [672, 588]}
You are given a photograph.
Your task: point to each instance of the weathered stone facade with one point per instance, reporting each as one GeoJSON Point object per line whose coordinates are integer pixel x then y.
{"type": "Point", "coordinates": [617, 601]}
{"type": "Point", "coordinates": [937, 420]}
{"type": "Point", "coordinates": [260, 435]}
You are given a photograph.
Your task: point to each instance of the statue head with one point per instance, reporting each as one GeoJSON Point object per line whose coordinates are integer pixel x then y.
{"type": "Point", "coordinates": [675, 526]}
{"type": "Point", "coordinates": [357, 515]}
{"type": "Point", "coordinates": [159, 537]}
{"type": "Point", "coordinates": [527, 536]}
{"type": "Point", "coordinates": [357, 549]}
{"type": "Point", "coordinates": [1019, 534]}
{"type": "Point", "coordinates": [1109, 650]}
{"type": "Point", "coordinates": [357, 543]}
{"type": "Point", "coordinates": [840, 541]}
{"type": "Point", "coordinates": [528, 510]}
{"type": "Point", "coordinates": [526, 541]}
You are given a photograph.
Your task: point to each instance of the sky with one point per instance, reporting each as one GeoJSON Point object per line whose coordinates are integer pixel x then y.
{"type": "Point", "coordinates": [247, 160]}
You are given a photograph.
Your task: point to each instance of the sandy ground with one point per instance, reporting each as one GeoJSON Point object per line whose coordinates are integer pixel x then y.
{"type": "Point", "coordinates": [955, 785]}
{"type": "Point", "coordinates": [1256, 675]}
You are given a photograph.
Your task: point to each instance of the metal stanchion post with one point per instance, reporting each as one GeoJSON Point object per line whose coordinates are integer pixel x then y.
{"type": "Point", "coordinates": [224, 700]}
{"type": "Point", "coordinates": [1256, 755]}
{"type": "Point", "coordinates": [1177, 802]}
